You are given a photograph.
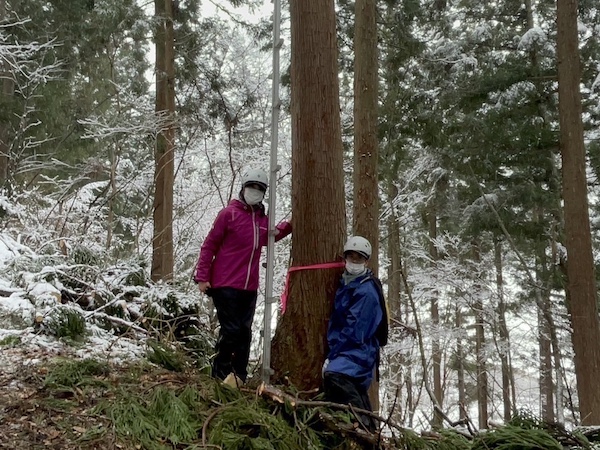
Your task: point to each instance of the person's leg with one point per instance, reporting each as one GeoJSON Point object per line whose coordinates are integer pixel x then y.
{"type": "Point", "coordinates": [339, 388]}
{"type": "Point", "coordinates": [367, 421]}
{"type": "Point", "coordinates": [335, 388]}
{"type": "Point", "coordinates": [225, 301]}
{"type": "Point", "coordinates": [247, 306]}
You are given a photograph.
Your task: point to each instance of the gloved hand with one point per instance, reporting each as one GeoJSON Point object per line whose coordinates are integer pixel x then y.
{"type": "Point", "coordinates": [325, 364]}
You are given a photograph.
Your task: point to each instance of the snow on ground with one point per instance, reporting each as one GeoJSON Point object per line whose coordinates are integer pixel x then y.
{"type": "Point", "coordinates": [28, 300]}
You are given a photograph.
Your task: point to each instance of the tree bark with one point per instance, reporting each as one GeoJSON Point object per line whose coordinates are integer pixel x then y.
{"type": "Point", "coordinates": [162, 242]}
{"type": "Point", "coordinates": [544, 333]}
{"type": "Point", "coordinates": [508, 384]}
{"type": "Point", "coordinates": [581, 281]}
{"type": "Point", "coordinates": [396, 369]}
{"type": "Point", "coordinates": [394, 281]}
{"type": "Point", "coordinates": [365, 214]}
{"type": "Point", "coordinates": [460, 369]}
{"type": "Point", "coordinates": [482, 376]}
{"type": "Point", "coordinates": [300, 343]}
{"type": "Point", "coordinates": [436, 351]}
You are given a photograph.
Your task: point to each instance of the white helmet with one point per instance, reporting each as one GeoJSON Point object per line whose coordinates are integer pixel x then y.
{"type": "Point", "coordinates": [358, 244]}
{"type": "Point", "coordinates": [257, 176]}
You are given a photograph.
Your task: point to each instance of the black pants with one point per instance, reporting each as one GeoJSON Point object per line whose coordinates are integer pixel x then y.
{"type": "Point", "coordinates": [235, 311]}
{"type": "Point", "coordinates": [339, 388]}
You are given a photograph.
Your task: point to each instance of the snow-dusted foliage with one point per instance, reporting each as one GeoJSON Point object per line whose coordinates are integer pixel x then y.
{"type": "Point", "coordinates": [45, 298]}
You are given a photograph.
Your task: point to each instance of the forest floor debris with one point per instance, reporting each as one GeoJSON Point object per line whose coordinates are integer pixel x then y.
{"type": "Point", "coordinates": [54, 399]}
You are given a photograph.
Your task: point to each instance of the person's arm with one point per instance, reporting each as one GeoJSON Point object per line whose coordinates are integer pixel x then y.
{"type": "Point", "coordinates": [283, 229]}
{"type": "Point", "coordinates": [209, 248]}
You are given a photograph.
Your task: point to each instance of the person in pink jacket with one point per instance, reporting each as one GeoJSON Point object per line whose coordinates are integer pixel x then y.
{"type": "Point", "coordinates": [228, 271]}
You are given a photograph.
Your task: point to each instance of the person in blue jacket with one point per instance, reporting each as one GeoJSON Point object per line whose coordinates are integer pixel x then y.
{"type": "Point", "coordinates": [352, 333]}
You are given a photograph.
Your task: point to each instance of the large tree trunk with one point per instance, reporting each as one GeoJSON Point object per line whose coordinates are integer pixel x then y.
{"type": "Point", "coordinates": [581, 281]}
{"type": "Point", "coordinates": [300, 343]}
{"type": "Point", "coordinates": [162, 242]}
{"type": "Point", "coordinates": [365, 214]}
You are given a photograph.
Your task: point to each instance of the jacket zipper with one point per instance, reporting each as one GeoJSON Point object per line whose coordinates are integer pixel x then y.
{"type": "Point", "coordinates": [255, 234]}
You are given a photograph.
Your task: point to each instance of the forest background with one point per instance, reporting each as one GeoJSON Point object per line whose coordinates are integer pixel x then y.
{"type": "Point", "coordinates": [471, 218]}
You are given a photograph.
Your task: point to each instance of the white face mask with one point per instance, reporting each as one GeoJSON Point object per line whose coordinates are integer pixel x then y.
{"type": "Point", "coordinates": [355, 268]}
{"type": "Point", "coordinates": [253, 196]}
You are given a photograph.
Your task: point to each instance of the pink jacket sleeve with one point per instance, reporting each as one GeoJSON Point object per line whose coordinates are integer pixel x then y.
{"type": "Point", "coordinates": [210, 246]}
{"type": "Point", "coordinates": [284, 228]}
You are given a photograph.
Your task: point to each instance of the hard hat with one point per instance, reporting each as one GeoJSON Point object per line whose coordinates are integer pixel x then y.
{"type": "Point", "coordinates": [257, 176]}
{"type": "Point", "coordinates": [358, 244]}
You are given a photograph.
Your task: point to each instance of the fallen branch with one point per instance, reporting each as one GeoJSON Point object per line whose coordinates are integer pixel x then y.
{"type": "Point", "coordinates": [280, 396]}
{"type": "Point", "coordinates": [349, 429]}
{"type": "Point", "coordinates": [118, 321]}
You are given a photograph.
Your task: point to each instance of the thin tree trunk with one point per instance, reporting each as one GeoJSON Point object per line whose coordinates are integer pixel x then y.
{"type": "Point", "coordinates": [482, 379]}
{"type": "Point", "coordinates": [558, 370]}
{"type": "Point", "coordinates": [544, 338]}
{"type": "Point", "coordinates": [112, 193]}
{"type": "Point", "coordinates": [162, 242]}
{"type": "Point", "coordinates": [8, 87]}
{"type": "Point", "coordinates": [546, 384]}
{"type": "Point", "coordinates": [507, 374]}
{"type": "Point", "coordinates": [396, 372]}
{"type": "Point", "coordinates": [580, 265]}
{"type": "Point", "coordinates": [546, 370]}
{"type": "Point", "coordinates": [300, 342]}
{"type": "Point", "coordinates": [460, 369]}
{"type": "Point", "coordinates": [394, 281]}
{"type": "Point", "coordinates": [435, 321]}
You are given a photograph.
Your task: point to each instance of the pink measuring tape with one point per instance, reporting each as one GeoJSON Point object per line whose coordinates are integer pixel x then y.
{"type": "Point", "coordinates": [284, 295]}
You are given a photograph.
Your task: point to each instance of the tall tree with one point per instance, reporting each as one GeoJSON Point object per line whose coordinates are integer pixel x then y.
{"type": "Point", "coordinates": [581, 283]}
{"type": "Point", "coordinates": [299, 345]}
{"type": "Point", "coordinates": [365, 216]}
{"type": "Point", "coordinates": [162, 242]}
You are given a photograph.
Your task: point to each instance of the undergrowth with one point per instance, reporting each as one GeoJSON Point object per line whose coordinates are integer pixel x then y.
{"type": "Point", "coordinates": [143, 406]}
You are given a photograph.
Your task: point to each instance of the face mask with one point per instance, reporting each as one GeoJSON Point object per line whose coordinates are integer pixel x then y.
{"type": "Point", "coordinates": [354, 268]}
{"type": "Point", "coordinates": [253, 196]}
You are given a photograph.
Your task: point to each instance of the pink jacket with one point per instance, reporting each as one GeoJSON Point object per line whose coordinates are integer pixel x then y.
{"type": "Point", "coordinates": [230, 254]}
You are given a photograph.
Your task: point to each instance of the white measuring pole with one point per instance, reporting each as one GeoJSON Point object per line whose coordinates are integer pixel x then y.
{"type": "Point", "coordinates": [274, 168]}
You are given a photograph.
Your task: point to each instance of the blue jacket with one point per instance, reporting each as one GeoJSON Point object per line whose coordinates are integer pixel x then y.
{"type": "Point", "coordinates": [356, 315]}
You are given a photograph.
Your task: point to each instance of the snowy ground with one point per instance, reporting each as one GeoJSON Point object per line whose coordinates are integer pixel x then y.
{"type": "Point", "coordinates": [26, 299]}
{"type": "Point", "coordinates": [29, 292]}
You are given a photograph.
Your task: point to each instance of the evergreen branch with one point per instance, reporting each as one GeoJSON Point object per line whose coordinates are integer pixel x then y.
{"type": "Point", "coordinates": [211, 416]}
